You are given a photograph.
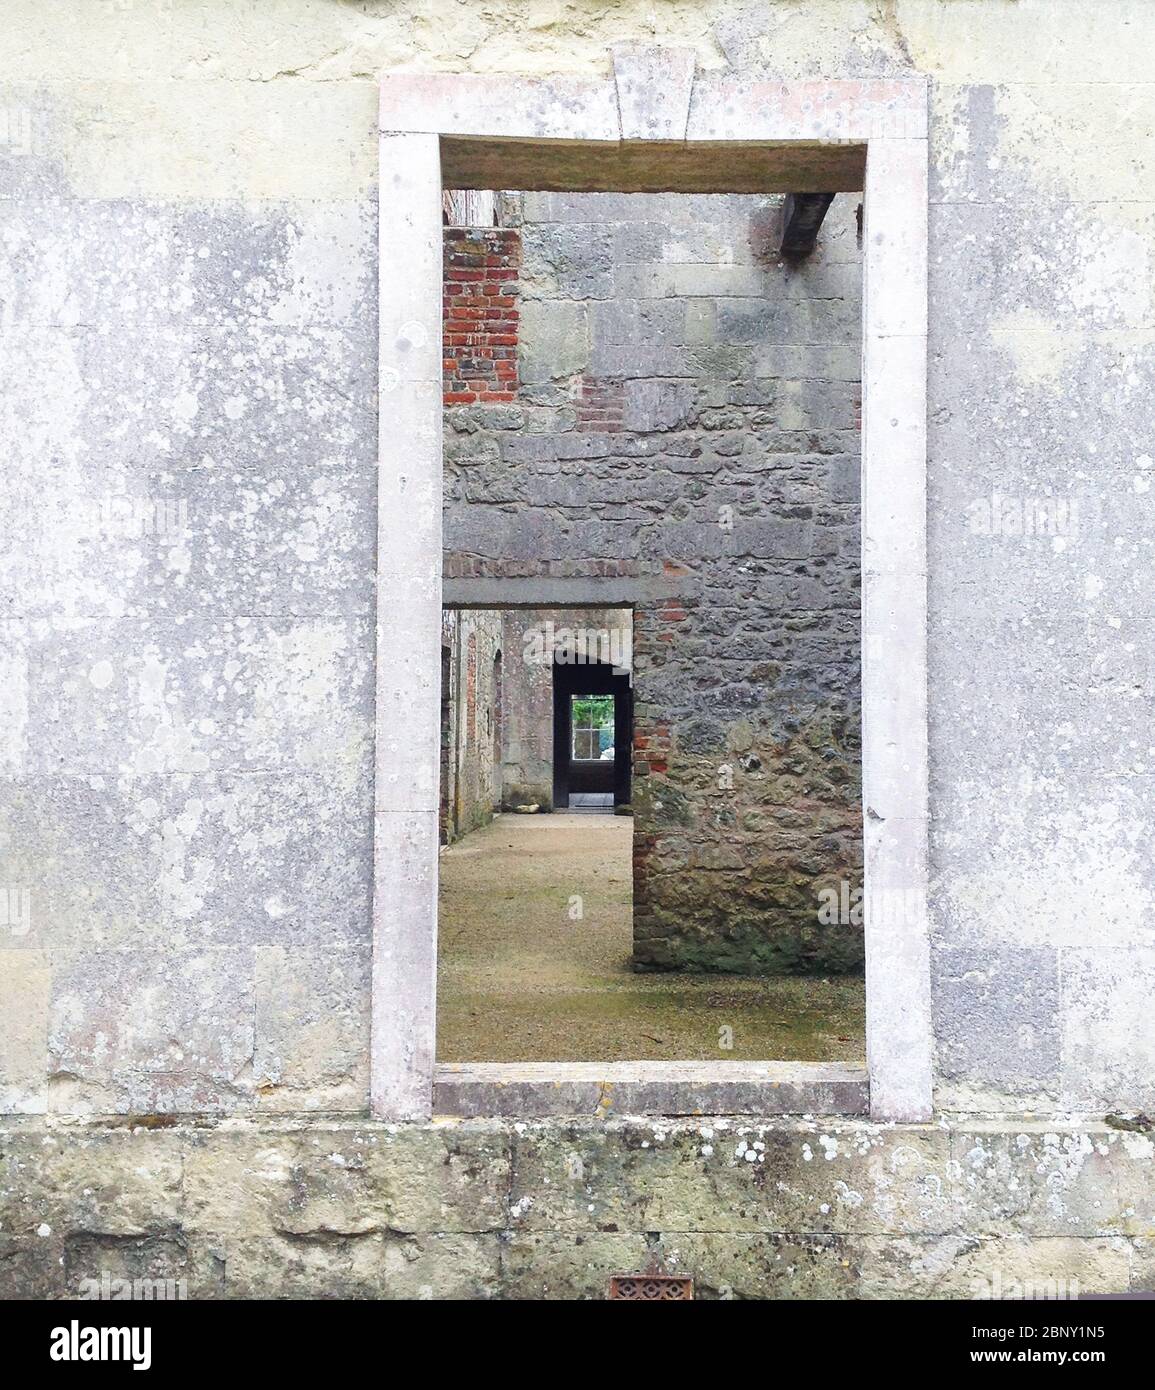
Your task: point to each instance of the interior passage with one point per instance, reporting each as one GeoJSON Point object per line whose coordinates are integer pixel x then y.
{"type": "Point", "coordinates": [534, 964]}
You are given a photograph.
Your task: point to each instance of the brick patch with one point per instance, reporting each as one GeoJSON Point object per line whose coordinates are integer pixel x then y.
{"type": "Point", "coordinates": [600, 405]}
{"type": "Point", "coordinates": [480, 314]}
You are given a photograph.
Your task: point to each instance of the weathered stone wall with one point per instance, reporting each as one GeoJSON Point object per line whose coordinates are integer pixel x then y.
{"type": "Point", "coordinates": [471, 656]}
{"type": "Point", "coordinates": [188, 198]}
{"type": "Point", "coordinates": [689, 403]}
{"type": "Point", "coordinates": [483, 1209]}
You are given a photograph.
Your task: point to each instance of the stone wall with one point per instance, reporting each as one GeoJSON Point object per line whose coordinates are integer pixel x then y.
{"type": "Point", "coordinates": [471, 658]}
{"type": "Point", "coordinates": [689, 404]}
{"type": "Point", "coordinates": [550, 1210]}
{"type": "Point", "coordinates": [188, 281]}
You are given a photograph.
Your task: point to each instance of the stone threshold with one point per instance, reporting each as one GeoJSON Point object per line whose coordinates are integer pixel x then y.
{"type": "Point", "coordinates": [529, 1090]}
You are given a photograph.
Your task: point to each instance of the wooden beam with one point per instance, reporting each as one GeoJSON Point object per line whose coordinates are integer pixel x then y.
{"type": "Point", "coordinates": [651, 166]}
{"type": "Point", "coordinates": [802, 215]}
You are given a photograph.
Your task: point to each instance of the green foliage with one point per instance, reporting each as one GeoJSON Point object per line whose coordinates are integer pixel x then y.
{"type": "Point", "coordinates": [592, 711]}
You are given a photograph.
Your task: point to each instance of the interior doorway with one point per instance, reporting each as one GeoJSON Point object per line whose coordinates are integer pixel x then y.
{"type": "Point", "coordinates": [592, 737]}
{"type": "Point", "coordinates": [538, 870]}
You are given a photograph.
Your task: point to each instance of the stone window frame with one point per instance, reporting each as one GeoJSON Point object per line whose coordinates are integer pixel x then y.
{"type": "Point", "coordinates": [654, 124]}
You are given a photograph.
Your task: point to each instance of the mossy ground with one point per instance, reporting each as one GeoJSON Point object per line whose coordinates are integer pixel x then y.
{"type": "Point", "coordinates": [522, 979]}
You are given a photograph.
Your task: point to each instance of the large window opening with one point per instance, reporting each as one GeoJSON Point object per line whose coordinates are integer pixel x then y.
{"type": "Point", "coordinates": [653, 126]}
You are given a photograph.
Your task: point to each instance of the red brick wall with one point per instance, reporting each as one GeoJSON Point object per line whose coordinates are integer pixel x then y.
{"type": "Point", "coordinates": [480, 314]}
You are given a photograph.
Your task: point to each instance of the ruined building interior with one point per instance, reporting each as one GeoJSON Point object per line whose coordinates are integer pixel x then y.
{"type": "Point", "coordinates": [651, 374]}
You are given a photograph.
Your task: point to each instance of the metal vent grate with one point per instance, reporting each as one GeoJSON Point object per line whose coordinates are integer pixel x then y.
{"type": "Point", "coordinates": [654, 1286]}
{"type": "Point", "coordinates": [658, 1288]}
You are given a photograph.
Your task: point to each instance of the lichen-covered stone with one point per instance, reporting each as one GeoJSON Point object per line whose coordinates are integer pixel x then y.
{"type": "Point", "coordinates": [551, 1209]}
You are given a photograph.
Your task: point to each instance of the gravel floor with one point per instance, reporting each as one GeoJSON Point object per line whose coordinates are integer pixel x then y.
{"type": "Point", "coordinates": [520, 979]}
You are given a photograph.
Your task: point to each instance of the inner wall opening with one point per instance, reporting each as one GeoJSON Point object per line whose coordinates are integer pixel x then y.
{"type": "Point", "coordinates": [641, 390]}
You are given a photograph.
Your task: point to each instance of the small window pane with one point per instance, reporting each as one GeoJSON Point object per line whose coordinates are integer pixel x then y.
{"type": "Point", "coordinates": [592, 726]}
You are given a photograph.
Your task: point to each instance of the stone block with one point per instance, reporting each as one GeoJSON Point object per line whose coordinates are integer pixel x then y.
{"type": "Point", "coordinates": [562, 108]}
{"type": "Point", "coordinates": [964, 1266]}
{"type": "Point", "coordinates": [554, 340]}
{"type": "Point", "coordinates": [778, 361]}
{"type": "Point", "coordinates": [275, 1266]}
{"type": "Point", "coordinates": [131, 260]}
{"type": "Point", "coordinates": [689, 280]}
{"type": "Point", "coordinates": [731, 1267]}
{"type": "Point", "coordinates": [539, 1265]}
{"type": "Point", "coordinates": [637, 323]}
{"type": "Point", "coordinates": [895, 235]}
{"type": "Point", "coordinates": [31, 1269]}
{"type": "Point", "coordinates": [893, 456]}
{"type": "Point", "coordinates": [997, 1019]}
{"type": "Point", "coordinates": [119, 1182]}
{"type": "Point", "coordinates": [450, 1267]}
{"type": "Point", "coordinates": [404, 963]}
{"type": "Point", "coordinates": [200, 858]}
{"type": "Point", "coordinates": [411, 278]}
{"type": "Point", "coordinates": [757, 109]}
{"type": "Point", "coordinates": [399, 1179]}
{"type": "Point", "coordinates": [170, 696]}
{"type": "Point", "coordinates": [731, 1175]}
{"type": "Point", "coordinates": [237, 1181]}
{"type": "Point", "coordinates": [566, 261]}
{"type": "Point", "coordinates": [1038, 1180]}
{"type": "Point", "coordinates": [894, 767]}
{"type": "Point", "coordinates": [657, 405]}
{"type": "Point", "coordinates": [150, 1032]}
{"type": "Point", "coordinates": [266, 860]}
{"type": "Point", "coordinates": [637, 361]}
{"type": "Point", "coordinates": [653, 87]}
{"type": "Point", "coordinates": [105, 514]}
{"type": "Point", "coordinates": [1143, 1266]}
{"type": "Point", "coordinates": [169, 1266]}
{"type": "Point", "coordinates": [843, 480]}
{"type": "Point", "coordinates": [1108, 1052]}
{"type": "Point", "coordinates": [471, 1189]}
{"type": "Point", "coordinates": [312, 1028]}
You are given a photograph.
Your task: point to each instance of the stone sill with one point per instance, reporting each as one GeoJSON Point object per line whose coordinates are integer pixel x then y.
{"type": "Point", "coordinates": [530, 1090]}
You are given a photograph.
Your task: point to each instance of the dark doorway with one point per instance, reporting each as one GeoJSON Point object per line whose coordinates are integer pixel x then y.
{"type": "Point", "coordinates": [576, 769]}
